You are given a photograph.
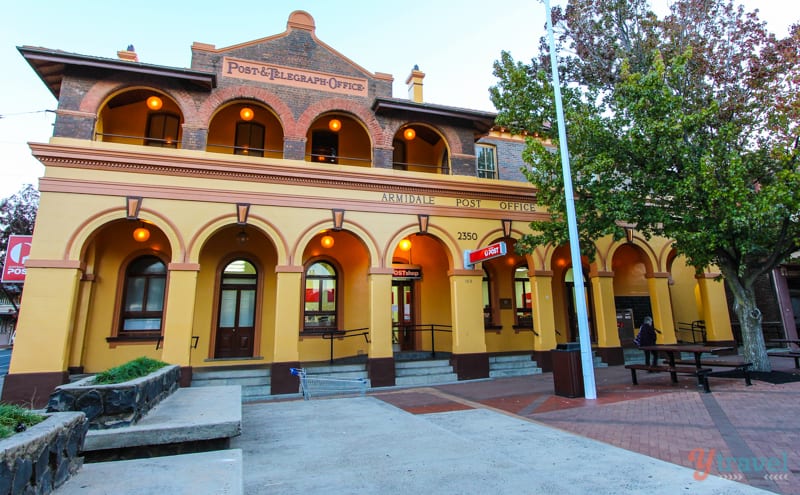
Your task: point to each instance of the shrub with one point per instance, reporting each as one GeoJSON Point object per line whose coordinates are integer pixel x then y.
{"type": "Point", "coordinates": [129, 371]}
{"type": "Point", "coordinates": [15, 418]}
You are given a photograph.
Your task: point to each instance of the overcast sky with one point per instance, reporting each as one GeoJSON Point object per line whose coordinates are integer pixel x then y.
{"type": "Point", "coordinates": [454, 44]}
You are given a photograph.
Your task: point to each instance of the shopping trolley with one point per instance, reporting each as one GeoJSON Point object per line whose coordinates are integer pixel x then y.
{"type": "Point", "coordinates": [318, 385]}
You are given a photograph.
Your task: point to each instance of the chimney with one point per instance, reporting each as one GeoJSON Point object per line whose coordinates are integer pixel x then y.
{"type": "Point", "coordinates": [129, 54]}
{"type": "Point", "coordinates": [414, 82]}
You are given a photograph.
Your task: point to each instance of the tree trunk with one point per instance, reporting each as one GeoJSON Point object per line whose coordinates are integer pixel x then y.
{"type": "Point", "coordinates": [744, 304]}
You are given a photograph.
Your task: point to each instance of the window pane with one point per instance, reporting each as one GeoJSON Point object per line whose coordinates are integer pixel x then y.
{"type": "Point", "coordinates": [142, 324]}
{"type": "Point", "coordinates": [227, 308]}
{"type": "Point", "coordinates": [321, 270]}
{"type": "Point", "coordinates": [247, 308]}
{"type": "Point", "coordinates": [328, 295]}
{"type": "Point", "coordinates": [134, 294]}
{"type": "Point", "coordinates": [147, 265]}
{"type": "Point", "coordinates": [240, 267]}
{"type": "Point", "coordinates": [155, 294]}
{"type": "Point", "coordinates": [486, 162]}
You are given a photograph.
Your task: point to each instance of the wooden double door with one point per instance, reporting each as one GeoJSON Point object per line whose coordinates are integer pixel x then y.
{"type": "Point", "coordinates": [237, 310]}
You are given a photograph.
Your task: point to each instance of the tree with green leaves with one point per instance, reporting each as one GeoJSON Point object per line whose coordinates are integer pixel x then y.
{"type": "Point", "coordinates": [685, 126]}
{"type": "Point", "coordinates": [17, 217]}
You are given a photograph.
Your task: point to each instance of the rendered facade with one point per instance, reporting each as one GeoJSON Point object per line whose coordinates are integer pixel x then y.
{"type": "Point", "coordinates": [274, 204]}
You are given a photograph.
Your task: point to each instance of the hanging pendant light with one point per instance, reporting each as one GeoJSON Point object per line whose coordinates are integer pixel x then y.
{"type": "Point", "coordinates": [154, 103]}
{"type": "Point", "coordinates": [141, 234]}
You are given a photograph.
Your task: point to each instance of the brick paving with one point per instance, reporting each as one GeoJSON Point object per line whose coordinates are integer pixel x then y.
{"type": "Point", "coordinates": [730, 432]}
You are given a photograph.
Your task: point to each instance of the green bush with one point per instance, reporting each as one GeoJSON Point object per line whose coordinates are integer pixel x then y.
{"type": "Point", "coordinates": [131, 370]}
{"type": "Point", "coordinates": [16, 418]}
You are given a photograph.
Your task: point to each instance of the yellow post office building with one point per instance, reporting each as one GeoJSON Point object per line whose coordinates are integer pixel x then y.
{"type": "Point", "coordinates": [274, 206]}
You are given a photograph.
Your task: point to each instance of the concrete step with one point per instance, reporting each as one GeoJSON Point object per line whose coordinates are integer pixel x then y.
{"type": "Point", "coordinates": [199, 373]}
{"type": "Point", "coordinates": [255, 383]}
{"type": "Point", "coordinates": [421, 368]}
{"type": "Point", "coordinates": [515, 372]}
{"type": "Point", "coordinates": [428, 379]}
{"type": "Point", "coordinates": [512, 365]}
{"type": "Point", "coordinates": [255, 393]}
{"type": "Point", "coordinates": [244, 381]}
{"type": "Point", "coordinates": [323, 369]}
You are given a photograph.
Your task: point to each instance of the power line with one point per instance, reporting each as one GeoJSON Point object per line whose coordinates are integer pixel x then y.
{"type": "Point", "coordinates": [3, 116]}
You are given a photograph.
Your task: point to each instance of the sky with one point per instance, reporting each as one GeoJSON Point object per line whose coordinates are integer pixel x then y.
{"type": "Point", "coordinates": [454, 44]}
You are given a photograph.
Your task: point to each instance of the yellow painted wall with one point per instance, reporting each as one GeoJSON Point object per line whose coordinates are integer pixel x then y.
{"type": "Point", "coordinates": [683, 292]}
{"type": "Point", "coordinates": [113, 246]}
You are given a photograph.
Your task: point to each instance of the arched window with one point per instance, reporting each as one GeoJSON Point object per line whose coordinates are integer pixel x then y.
{"type": "Point", "coordinates": [143, 298]}
{"type": "Point", "coordinates": [522, 297]}
{"type": "Point", "coordinates": [320, 297]}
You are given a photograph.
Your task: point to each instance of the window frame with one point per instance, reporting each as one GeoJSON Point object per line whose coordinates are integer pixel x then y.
{"type": "Point", "coordinates": [252, 131]}
{"type": "Point", "coordinates": [331, 327]}
{"type": "Point", "coordinates": [523, 316]}
{"type": "Point", "coordinates": [324, 146]}
{"type": "Point", "coordinates": [161, 141]}
{"type": "Point", "coordinates": [124, 315]}
{"type": "Point", "coordinates": [480, 168]}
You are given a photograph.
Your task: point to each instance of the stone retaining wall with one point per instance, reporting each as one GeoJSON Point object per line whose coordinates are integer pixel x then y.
{"type": "Point", "coordinates": [41, 458]}
{"type": "Point", "coordinates": [115, 405]}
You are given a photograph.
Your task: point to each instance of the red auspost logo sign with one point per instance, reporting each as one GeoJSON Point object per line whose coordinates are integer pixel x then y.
{"type": "Point", "coordinates": [491, 251]}
{"type": "Point", "coordinates": [19, 248]}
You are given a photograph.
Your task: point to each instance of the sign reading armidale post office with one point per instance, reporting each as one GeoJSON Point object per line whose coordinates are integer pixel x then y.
{"type": "Point", "coordinates": [298, 78]}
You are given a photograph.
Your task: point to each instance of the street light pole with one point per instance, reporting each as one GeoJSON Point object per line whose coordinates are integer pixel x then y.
{"type": "Point", "coordinates": [587, 361]}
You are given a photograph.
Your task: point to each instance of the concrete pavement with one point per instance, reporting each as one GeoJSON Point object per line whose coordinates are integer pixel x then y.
{"type": "Point", "coordinates": [504, 436]}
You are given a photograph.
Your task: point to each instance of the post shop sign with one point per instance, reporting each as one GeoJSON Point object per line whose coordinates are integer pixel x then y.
{"type": "Point", "coordinates": [19, 248]}
{"type": "Point", "coordinates": [486, 253]}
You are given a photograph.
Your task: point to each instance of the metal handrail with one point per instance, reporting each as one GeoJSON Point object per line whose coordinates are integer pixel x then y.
{"type": "Point", "coordinates": [235, 147]}
{"type": "Point", "coordinates": [340, 158]}
{"type": "Point", "coordinates": [343, 334]}
{"type": "Point", "coordinates": [425, 327]}
{"type": "Point", "coordinates": [195, 341]}
{"type": "Point", "coordinates": [444, 169]}
{"type": "Point", "coordinates": [172, 142]}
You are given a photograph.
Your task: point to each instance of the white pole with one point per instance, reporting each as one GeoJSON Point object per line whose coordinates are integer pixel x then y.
{"type": "Point", "coordinates": [587, 361]}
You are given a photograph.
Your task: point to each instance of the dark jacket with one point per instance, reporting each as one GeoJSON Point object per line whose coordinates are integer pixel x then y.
{"type": "Point", "coordinates": [647, 335]}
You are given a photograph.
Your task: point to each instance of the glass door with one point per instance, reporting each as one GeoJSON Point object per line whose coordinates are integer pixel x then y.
{"type": "Point", "coordinates": [403, 320]}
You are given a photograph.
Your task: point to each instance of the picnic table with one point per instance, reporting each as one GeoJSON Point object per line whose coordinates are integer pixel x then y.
{"type": "Point", "coordinates": [791, 353]}
{"type": "Point", "coordinates": [672, 364]}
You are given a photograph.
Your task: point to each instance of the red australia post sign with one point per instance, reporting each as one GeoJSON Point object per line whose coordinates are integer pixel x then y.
{"type": "Point", "coordinates": [19, 248]}
{"type": "Point", "coordinates": [491, 251]}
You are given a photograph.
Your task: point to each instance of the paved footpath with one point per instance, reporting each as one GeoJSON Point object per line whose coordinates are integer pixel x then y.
{"type": "Point", "coordinates": [513, 435]}
{"type": "Point", "coordinates": [747, 434]}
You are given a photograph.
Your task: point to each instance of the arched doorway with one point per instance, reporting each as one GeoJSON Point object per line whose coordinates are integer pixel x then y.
{"type": "Point", "coordinates": [238, 293]}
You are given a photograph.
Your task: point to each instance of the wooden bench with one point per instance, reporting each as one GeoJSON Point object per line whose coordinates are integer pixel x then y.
{"type": "Point", "coordinates": [701, 374]}
{"type": "Point", "coordinates": [790, 354]}
{"type": "Point", "coordinates": [737, 365]}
